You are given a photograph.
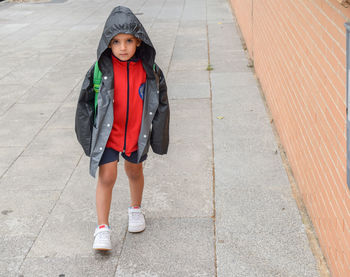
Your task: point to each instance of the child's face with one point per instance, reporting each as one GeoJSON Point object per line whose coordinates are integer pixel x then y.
{"type": "Point", "coordinates": [124, 46]}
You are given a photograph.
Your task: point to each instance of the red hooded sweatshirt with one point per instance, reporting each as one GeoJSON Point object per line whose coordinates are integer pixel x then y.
{"type": "Point", "coordinates": [129, 87]}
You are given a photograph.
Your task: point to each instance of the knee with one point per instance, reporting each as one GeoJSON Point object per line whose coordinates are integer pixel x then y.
{"type": "Point", "coordinates": [134, 173]}
{"type": "Point", "coordinates": [107, 179]}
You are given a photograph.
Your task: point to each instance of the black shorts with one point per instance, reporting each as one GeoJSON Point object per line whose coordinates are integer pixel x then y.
{"type": "Point", "coordinates": [111, 155]}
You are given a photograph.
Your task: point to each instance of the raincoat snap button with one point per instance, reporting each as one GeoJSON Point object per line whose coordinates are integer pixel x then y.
{"type": "Point", "coordinates": [108, 125]}
{"type": "Point", "coordinates": [144, 136]}
{"type": "Point", "coordinates": [101, 148]}
{"type": "Point", "coordinates": [105, 77]}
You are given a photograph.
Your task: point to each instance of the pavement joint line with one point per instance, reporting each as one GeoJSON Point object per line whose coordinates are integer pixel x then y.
{"type": "Point", "coordinates": [177, 32]}
{"type": "Point", "coordinates": [154, 18]}
{"type": "Point", "coordinates": [212, 145]}
{"type": "Point", "coordinates": [191, 98]}
{"type": "Point", "coordinates": [49, 213]}
{"type": "Point", "coordinates": [121, 251]}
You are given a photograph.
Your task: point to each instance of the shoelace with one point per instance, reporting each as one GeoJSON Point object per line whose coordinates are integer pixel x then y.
{"type": "Point", "coordinates": [103, 235]}
{"type": "Point", "coordinates": [136, 215]}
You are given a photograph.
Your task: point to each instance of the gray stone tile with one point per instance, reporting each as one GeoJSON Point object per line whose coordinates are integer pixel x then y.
{"type": "Point", "coordinates": [230, 80]}
{"type": "Point", "coordinates": [171, 11]}
{"type": "Point", "coordinates": [223, 37]}
{"type": "Point", "coordinates": [15, 246]}
{"type": "Point", "coordinates": [29, 112]}
{"type": "Point", "coordinates": [22, 122]}
{"type": "Point", "coordinates": [51, 88]}
{"type": "Point", "coordinates": [72, 99]}
{"type": "Point", "coordinates": [267, 255]}
{"type": "Point", "coordinates": [9, 266]}
{"type": "Point", "coordinates": [42, 93]}
{"type": "Point", "coordinates": [24, 213]}
{"type": "Point", "coordinates": [184, 84]}
{"type": "Point", "coordinates": [219, 11]}
{"type": "Point", "coordinates": [66, 234]}
{"type": "Point", "coordinates": [34, 173]}
{"type": "Point", "coordinates": [165, 248]}
{"type": "Point", "coordinates": [18, 133]}
{"type": "Point", "coordinates": [8, 155]}
{"type": "Point", "coordinates": [64, 117]}
{"type": "Point", "coordinates": [8, 99]}
{"type": "Point", "coordinates": [228, 63]}
{"type": "Point", "coordinates": [70, 266]}
{"type": "Point", "coordinates": [189, 123]}
{"type": "Point", "coordinates": [193, 28]}
{"type": "Point", "coordinates": [189, 64]}
{"type": "Point", "coordinates": [4, 71]}
{"type": "Point", "coordinates": [56, 142]}
{"type": "Point", "coordinates": [194, 10]}
{"type": "Point", "coordinates": [10, 28]}
{"type": "Point", "coordinates": [190, 47]}
{"type": "Point", "coordinates": [172, 181]}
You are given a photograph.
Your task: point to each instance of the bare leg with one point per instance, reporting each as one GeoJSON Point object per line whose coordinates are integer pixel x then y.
{"type": "Point", "coordinates": [136, 181]}
{"type": "Point", "coordinates": [106, 179]}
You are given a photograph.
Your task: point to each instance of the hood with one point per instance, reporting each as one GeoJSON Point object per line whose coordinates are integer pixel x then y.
{"type": "Point", "coordinates": [122, 20]}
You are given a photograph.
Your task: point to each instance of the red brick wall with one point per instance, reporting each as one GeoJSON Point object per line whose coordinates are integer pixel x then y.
{"type": "Point", "coordinates": [299, 52]}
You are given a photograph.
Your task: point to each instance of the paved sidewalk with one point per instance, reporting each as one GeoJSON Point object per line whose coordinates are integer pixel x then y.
{"type": "Point", "coordinates": [219, 204]}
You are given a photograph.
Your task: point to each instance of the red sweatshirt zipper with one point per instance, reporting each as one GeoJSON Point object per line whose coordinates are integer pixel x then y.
{"type": "Point", "coordinates": [127, 106]}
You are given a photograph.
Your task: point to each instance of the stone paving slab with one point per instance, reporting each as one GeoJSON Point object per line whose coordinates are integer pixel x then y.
{"type": "Point", "coordinates": [8, 156]}
{"type": "Point", "coordinates": [58, 142]}
{"type": "Point", "coordinates": [69, 266]}
{"type": "Point", "coordinates": [35, 173]}
{"type": "Point", "coordinates": [9, 266]}
{"type": "Point", "coordinates": [24, 213]}
{"type": "Point", "coordinates": [10, 135]}
{"type": "Point", "coordinates": [184, 84]}
{"type": "Point", "coordinates": [162, 249]}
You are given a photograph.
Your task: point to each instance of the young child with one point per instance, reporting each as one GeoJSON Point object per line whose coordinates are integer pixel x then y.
{"type": "Point", "coordinates": [132, 114]}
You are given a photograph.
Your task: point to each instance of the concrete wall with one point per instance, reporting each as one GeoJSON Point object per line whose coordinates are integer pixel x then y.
{"type": "Point", "coordinates": [299, 53]}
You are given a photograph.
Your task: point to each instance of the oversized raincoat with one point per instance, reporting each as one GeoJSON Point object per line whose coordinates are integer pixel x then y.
{"type": "Point", "coordinates": [93, 134]}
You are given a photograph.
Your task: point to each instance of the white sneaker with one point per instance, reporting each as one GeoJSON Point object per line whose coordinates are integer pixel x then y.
{"type": "Point", "coordinates": [136, 220]}
{"type": "Point", "coordinates": [102, 238]}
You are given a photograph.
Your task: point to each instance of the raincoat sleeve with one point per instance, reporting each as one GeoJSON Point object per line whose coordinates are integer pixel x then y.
{"type": "Point", "coordinates": [84, 116]}
{"type": "Point", "coordinates": [160, 124]}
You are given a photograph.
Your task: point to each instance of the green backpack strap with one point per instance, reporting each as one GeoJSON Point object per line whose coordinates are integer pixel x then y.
{"type": "Point", "coordinates": [156, 75]}
{"type": "Point", "coordinates": [97, 81]}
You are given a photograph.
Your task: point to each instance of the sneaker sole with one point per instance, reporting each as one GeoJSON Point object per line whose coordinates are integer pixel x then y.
{"type": "Point", "coordinates": [136, 229]}
{"type": "Point", "coordinates": [103, 249]}
{"type": "Point", "coordinates": [96, 247]}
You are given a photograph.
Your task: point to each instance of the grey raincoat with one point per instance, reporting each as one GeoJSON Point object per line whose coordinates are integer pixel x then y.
{"type": "Point", "coordinates": [93, 134]}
